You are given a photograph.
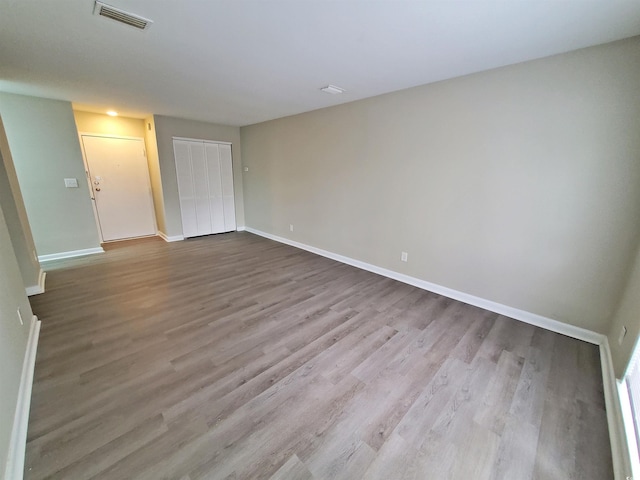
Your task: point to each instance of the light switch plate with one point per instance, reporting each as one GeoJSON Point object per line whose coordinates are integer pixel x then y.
{"type": "Point", "coordinates": [71, 182]}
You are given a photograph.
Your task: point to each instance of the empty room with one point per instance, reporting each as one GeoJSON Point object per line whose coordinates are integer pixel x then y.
{"type": "Point", "coordinates": [319, 239]}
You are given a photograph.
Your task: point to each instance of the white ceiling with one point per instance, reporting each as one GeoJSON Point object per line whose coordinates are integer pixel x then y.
{"type": "Point", "coordinates": [241, 62]}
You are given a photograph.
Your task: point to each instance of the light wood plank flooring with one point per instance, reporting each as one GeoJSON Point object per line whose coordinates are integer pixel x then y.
{"type": "Point", "coordinates": [235, 357]}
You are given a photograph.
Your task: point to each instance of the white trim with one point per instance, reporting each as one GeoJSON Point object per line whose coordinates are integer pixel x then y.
{"type": "Point", "coordinates": [620, 452]}
{"type": "Point", "coordinates": [174, 238]}
{"type": "Point", "coordinates": [628, 426]}
{"type": "Point", "coordinates": [201, 140]}
{"type": "Point", "coordinates": [70, 254]}
{"type": "Point", "coordinates": [14, 469]}
{"type": "Point", "coordinates": [241, 229]}
{"type": "Point", "coordinates": [39, 288]}
{"type": "Point", "coordinates": [105, 135]}
{"type": "Point", "coordinates": [511, 312]}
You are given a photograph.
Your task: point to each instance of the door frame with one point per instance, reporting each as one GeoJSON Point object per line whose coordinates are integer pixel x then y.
{"type": "Point", "coordinates": [87, 177]}
{"type": "Point", "coordinates": [187, 139]}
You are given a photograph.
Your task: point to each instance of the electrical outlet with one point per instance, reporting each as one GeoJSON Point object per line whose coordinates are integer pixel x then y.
{"type": "Point", "coordinates": [623, 333]}
{"type": "Point", "coordinates": [20, 316]}
{"type": "Point", "coordinates": [404, 257]}
{"type": "Point", "coordinates": [291, 227]}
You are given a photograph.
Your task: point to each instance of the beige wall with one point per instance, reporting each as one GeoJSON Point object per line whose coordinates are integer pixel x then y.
{"type": "Point", "coordinates": [13, 336]}
{"type": "Point", "coordinates": [169, 127]}
{"type": "Point", "coordinates": [520, 185]}
{"type": "Point", "coordinates": [154, 172]}
{"type": "Point", "coordinates": [44, 144]}
{"type": "Point", "coordinates": [89, 122]}
{"type": "Point", "coordinates": [16, 216]}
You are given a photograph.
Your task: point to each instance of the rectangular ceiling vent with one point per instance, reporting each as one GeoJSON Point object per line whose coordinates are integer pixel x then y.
{"type": "Point", "coordinates": [121, 16]}
{"type": "Point", "coordinates": [332, 89]}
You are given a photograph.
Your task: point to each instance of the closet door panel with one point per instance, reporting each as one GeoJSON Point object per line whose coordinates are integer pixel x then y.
{"type": "Point", "coordinates": [185, 188]}
{"type": "Point", "coordinates": [226, 173]}
{"type": "Point", "coordinates": [201, 187]}
{"type": "Point", "coordinates": [229, 214]}
{"type": "Point", "coordinates": [215, 188]}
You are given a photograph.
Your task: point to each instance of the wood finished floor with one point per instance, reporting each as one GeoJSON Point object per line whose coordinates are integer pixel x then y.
{"type": "Point", "coordinates": [235, 357]}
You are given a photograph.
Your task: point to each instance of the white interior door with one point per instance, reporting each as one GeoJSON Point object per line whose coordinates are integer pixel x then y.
{"type": "Point", "coordinates": [119, 178]}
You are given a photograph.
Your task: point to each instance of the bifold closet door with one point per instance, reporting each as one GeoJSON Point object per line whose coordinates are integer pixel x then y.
{"type": "Point", "coordinates": [186, 189]}
{"type": "Point", "coordinates": [226, 174]}
{"type": "Point", "coordinates": [205, 185]}
{"type": "Point", "coordinates": [199, 169]}
{"type": "Point", "coordinates": [216, 206]}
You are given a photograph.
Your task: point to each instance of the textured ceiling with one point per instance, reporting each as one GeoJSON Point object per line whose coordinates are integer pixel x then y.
{"type": "Point", "coordinates": [239, 62]}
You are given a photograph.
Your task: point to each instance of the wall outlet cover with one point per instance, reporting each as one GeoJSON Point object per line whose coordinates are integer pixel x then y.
{"type": "Point", "coordinates": [623, 333]}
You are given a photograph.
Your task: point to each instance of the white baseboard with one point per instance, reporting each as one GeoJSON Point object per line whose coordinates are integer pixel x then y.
{"type": "Point", "coordinates": [39, 288]}
{"type": "Point", "coordinates": [241, 229]}
{"type": "Point", "coordinates": [15, 459]}
{"type": "Point", "coordinates": [620, 455]}
{"type": "Point", "coordinates": [507, 311]}
{"type": "Point", "coordinates": [70, 254]}
{"type": "Point", "coordinates": [619, 448]}
{"type": "Point", "coordinates": [174, 238]}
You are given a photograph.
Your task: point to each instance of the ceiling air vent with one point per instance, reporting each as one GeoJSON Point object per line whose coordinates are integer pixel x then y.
{"type": "Point", "coordinates": [121, 16]}
{"type": "Point", "coordinates": [332, 89]}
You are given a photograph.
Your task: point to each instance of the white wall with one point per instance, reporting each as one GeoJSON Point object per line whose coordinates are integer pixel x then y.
{"type": "Point", "coordinates": [44, 144]}
{"type": "Point", "coordinates": [169, 127]}
{"type": "Point", "coordinates": [13, 337]}
{"type": "Point", "coordinates": [520, 185]}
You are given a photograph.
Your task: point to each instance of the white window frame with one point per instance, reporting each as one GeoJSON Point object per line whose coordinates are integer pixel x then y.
{"type": "Point", "coordinates": [627, 412]}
